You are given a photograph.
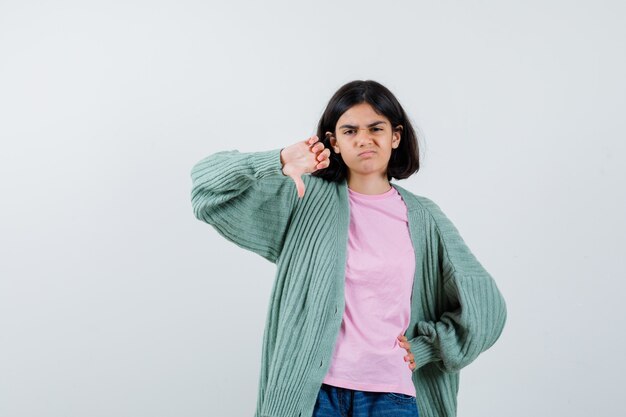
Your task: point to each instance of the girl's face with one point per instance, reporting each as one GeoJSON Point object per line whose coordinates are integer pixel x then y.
{"type": "Point", "coordinates": [364, 139]}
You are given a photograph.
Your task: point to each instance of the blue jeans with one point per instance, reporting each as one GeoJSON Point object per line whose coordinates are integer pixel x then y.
{"type": "Point", "coordinates": [344, 402]}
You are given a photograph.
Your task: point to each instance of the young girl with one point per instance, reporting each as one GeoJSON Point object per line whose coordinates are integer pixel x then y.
{"type": "Point", "coordinates": [377, 301]}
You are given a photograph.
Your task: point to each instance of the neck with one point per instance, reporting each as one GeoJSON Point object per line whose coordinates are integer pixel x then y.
{"type": "Point", "coordinates": [368, 184]}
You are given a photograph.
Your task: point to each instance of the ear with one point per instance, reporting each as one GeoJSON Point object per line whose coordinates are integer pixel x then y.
{"type": "Point", "coordinates": [333, 141]}
{"type": "Point", "coordinates": [397, 135]}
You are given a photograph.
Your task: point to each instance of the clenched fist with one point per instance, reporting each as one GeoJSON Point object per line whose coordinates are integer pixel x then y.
{"type": "Point", "coordinates": [304, 157]}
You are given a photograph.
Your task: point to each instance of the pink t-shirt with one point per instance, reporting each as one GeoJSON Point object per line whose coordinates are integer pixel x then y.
{"type": "Point", "coordinates": [380, 266]}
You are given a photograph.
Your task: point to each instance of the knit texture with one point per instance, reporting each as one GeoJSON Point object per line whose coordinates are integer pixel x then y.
{"type": "Point", "coordinates": [457, 310]}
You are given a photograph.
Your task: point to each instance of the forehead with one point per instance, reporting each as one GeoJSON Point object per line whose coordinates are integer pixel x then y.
{"type": "Point", "coordinates": [361, 114]}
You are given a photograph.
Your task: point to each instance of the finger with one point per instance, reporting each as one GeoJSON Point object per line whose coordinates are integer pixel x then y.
{"type": "Point", "coordinates": [317, 147]}
{"type": "Point", "coordinates": [323, 154]}
{"type": "Point", "coordinates": [312, 139]}
{"type": "Point", "coordinates": [323, 164]}
{"type": "Point", "coordinates": [299, 185]}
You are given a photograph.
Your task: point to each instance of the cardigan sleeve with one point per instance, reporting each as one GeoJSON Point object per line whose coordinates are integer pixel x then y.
{"type": "Point", "coordinates": [477, 310]}
{"type": "Point", "coordinates": [246, 197]}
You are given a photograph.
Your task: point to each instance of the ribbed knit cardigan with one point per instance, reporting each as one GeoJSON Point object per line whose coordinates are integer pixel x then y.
{"type": "Point", "coordinates": [457, 310]}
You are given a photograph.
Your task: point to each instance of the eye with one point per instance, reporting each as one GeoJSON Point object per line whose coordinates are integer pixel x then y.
{"type": "Point", "coordinates": [347, 131]}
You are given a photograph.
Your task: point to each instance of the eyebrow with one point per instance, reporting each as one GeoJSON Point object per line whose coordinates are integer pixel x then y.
{"type": "Point", "coordinates": [369, 125]}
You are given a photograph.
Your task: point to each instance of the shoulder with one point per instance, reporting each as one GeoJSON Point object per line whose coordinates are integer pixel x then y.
{"type": "Point", "coordinates": [427, 206]}
{"type": "Point", "coordinates": [418, 202]}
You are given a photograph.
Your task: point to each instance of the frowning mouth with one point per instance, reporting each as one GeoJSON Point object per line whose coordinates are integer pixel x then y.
{"type": "Point", "coordinates": [367, 153]}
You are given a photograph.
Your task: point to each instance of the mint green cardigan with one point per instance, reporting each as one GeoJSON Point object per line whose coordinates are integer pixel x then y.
{"type": "Point", "coordinates": [457, 311]}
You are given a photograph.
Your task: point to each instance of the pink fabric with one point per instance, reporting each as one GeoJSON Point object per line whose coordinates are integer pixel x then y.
{"type": "Point", "coordinates": [379, 279]}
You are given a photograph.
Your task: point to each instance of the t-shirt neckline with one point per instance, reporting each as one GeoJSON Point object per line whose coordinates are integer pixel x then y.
{"type": "Point", "coordinates": [381, 196]}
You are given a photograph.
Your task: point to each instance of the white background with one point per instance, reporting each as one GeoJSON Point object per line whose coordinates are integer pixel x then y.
{"type": "Point", "coordinates": [116, 301]}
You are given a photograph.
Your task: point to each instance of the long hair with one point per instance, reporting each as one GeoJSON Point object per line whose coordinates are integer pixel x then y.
{"type": "Point", "coordinates": [404, 160]}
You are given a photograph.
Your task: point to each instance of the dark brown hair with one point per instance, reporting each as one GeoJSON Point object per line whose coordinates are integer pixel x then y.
{"type": "Point", "coordinates": [404, 160]}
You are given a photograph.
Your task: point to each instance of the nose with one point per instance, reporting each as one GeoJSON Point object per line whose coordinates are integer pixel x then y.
{"type": "Point", "coordinates": [363, 138]}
